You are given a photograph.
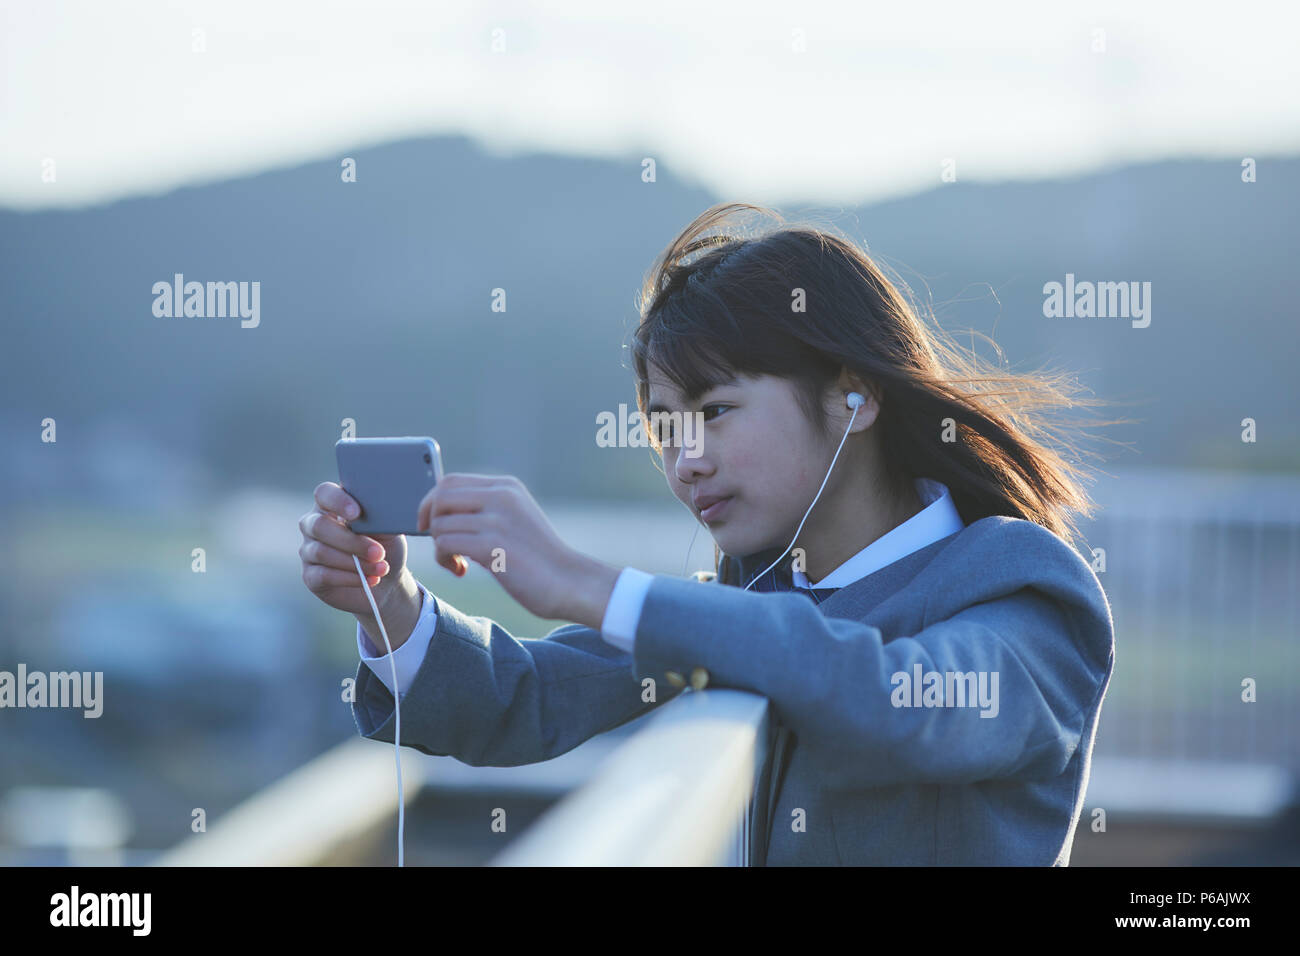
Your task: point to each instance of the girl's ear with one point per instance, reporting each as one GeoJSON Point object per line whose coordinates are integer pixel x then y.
{"type": "Point", "coordinates": [867, 413]}
{"type": "Point", "coordinates": [850, 382]}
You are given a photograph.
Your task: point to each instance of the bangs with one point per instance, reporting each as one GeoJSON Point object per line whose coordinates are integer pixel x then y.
{"type": "Point", "coordinates": [692, 365]}
{"type": "Point", "coordinates": [697, 345]}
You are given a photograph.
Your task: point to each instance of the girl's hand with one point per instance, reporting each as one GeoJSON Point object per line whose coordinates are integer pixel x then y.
{"type": "Point", "coordinates": [494, 521]}
{"type": "Point", "coordinates": [328, 545]}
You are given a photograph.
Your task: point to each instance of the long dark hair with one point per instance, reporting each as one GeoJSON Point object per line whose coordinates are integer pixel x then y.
{"type": "Point", "coordinates": [730, 310]}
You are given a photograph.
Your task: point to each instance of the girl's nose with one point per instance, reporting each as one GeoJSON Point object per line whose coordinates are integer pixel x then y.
{"type": "Point", "coordinates": [689, 469]}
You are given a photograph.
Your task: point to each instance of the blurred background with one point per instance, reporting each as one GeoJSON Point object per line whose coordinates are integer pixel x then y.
{"type": "Point", "coordinates": [380, 169]}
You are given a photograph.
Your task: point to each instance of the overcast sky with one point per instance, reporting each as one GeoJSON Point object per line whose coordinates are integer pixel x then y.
{"type": "Point", "coordinates": [774, 102]}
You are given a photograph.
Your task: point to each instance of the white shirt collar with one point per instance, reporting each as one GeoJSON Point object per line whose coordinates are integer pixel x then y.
{"type": "Point", "coordinates": [935, 521]}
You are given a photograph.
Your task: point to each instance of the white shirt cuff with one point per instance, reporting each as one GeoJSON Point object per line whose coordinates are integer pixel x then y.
{"type": "Point", "coordinates": [409, 656]}
{"type": "Point", "coordinates": [623, 612]}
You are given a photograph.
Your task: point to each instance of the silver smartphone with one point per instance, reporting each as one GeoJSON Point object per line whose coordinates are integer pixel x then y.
{"type": "Point", "coordinates": [388, 477]}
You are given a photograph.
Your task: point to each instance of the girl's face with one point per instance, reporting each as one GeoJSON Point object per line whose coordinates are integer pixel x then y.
{"type": "Point", "coordinates": [755, 449]}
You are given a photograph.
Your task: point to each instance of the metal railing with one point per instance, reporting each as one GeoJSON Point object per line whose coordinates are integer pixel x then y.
{"type": "Point", "coordinates": [312, 817]}
{"type": "Point", "coordinates": [688, 790]}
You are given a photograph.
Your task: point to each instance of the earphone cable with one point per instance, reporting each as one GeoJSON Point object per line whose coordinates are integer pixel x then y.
{"type": "Point", "coordinates": [814, 501]}
{"type": "Point", "coordinates": [397, 709]}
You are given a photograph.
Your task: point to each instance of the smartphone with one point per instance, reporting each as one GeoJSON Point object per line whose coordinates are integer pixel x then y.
{"type": "Point", "coordinates": [388, 477]}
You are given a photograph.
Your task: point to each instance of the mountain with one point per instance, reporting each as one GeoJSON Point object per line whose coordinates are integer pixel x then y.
{"type": "Point", "coordinates": [376, 305]}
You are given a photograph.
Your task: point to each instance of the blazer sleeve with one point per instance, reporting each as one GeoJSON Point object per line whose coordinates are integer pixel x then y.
{"type": "Point", "coordinates": [488, 698]}
{"type": "Point", "coordinates": [832, 680]}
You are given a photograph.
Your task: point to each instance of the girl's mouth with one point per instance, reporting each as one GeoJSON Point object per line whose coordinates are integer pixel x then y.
{"type": "Point", "coordinates": [712, 512]}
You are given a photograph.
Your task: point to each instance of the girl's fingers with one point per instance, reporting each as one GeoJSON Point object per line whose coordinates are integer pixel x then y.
{"type": "Point", "coordinates": [315, 552]}
{"type": "Point", "coordinates": [320, 578]}
{"type": "Point", "coordinates": [445, 499]}
{"type": "Point", "coordinates": [454, 524]}
{"type": "Point", "coordinates": [326, 529]}
{"type": "Point", "coordinates": [445, 552]}
{"type": "Point", "coordinates": [455, 563]}
{"type": "Point", "coordinates": [332, 497]}
{"type": "Point", "coordinates": [442, 528]}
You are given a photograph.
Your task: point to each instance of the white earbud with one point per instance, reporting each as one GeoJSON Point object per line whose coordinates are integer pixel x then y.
{"type": "Point", "coordinates": [855, 400]}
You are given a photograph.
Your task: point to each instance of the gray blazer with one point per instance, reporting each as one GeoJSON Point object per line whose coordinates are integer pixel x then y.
{"type": "Point", "coordinates": [880, 761]}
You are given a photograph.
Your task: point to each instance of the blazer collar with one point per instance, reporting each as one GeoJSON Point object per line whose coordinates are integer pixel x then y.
{"type": "Point", "coordinates": [751, 565]}
{"type": "Point", "coordinates": [862, 595]}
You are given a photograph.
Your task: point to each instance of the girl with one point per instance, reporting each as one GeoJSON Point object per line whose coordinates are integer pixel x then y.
{"type": "Point", "coordinates": [937, 654]}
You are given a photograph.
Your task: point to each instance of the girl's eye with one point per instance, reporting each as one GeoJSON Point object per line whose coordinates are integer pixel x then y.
{"type": "Point", "coordinates": [666, 429]}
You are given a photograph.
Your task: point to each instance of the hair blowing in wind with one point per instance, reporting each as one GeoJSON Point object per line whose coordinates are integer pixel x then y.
{"type": "Point", "coordinates": [724, 298]}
